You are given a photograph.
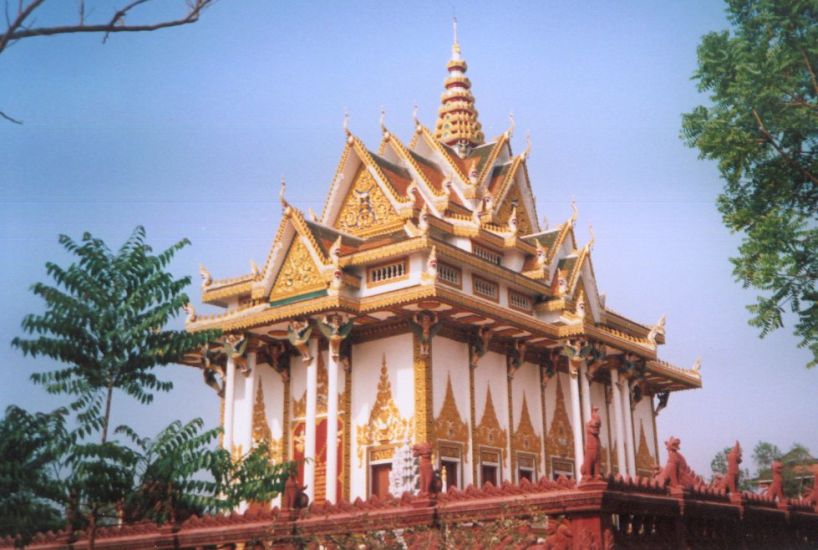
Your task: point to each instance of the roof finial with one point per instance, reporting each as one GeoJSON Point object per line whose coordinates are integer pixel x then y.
{"type": "Point", "coordinates": [574, 212]}
{"type": "Point", "coordinates": [511, 124]}
{"type": "Point", "coordinates": [281, 192]}
{"type": "Point", "coordinates": [527, 151]}
{"type": "Point", "coordinates": [415, 114]}
{"type": "Point", "coordinates": [455, 43]}
{"type": "Point", "coordinates": [383, 120]}
{"type": "Point", "coordinates": [593, 237]}
{"type": "Point", "coordinates": [346, 122]}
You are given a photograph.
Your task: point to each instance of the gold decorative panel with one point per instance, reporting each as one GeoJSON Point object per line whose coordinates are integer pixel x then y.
{"type": "Point", "coordinates": [644, 460]}
{"type": "Point", "coordinates": [525, 438]}
{"type": "Point", "coordinates": [298, 273]}
{"type": "Point", "coordinates": [514, 197]}
{"type": "Point", "coordinates": [424, 430]}
{"type": "Point", "coordinates": [386, 426]}
{"type": "Point", "coordinates": [261, 428]}
{"type": "Point", "coordinates": [488, 432]}
{"type": "Point", "coordinates": [560, 440]}
{"type": "Point", "coordinates": [449, 424]}
{"type": "Point", "coordinates": [365, 207]}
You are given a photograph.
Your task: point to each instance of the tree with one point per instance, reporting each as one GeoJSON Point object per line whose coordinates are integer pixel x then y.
{"type": "Point", "coordinates": [762, 129]}
{"type": "Point", "coordinates": [105, 319]}
{"type": "Point", "coordinates": [178, 474]}
{"type": "Point", "coordinates": [31, 497]}
{"type": "Point", "coordinates": [22, 24]}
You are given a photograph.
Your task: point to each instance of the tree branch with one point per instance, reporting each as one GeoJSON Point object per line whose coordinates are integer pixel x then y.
{"type": "Point", "coordinates": [769, 137]}
{"type": "Point", "coordinates": [10, 119]}
{"type": "Point", "coordinates": [22, 15]}
{"type": "Point", "coordinates": [116, 24]}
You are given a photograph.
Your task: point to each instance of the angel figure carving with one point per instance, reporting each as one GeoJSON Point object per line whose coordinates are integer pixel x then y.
{"type": "Point", "coordinates": [234, 347]}
{"type": "Point", "coordinates": [298, 333]}
{"type": "Point", "coordinates": [191, 313]}
{"type": "Point", "coordinates": [425, 325]}
{"type": "Point", "coordinates": [480, 345]}
{"type": "Point", "coordinates": [423, 220]}
{"type": "Point", "coordinates": [542, 258]}
{"type": "Point", "coordinates": [212, 373]}
{"type": "Point", "coordinates": [279, 359]}
{"type": "Point", "coordinates": [335, 328]}
{"type": "Point", "coordinates": [515, 357]}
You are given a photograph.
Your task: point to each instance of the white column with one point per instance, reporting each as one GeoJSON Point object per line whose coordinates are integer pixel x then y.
{"type": "Point", "coordinates": [245, 412]}
{"type": "Point", "coordinates": [332, 428]}
{"type": "Point", "coordinates": [229, 401]}
{"type": "Point", "coordinates": [585, 388]}
{"type": "Point", "coordinates": [576, 419]}
{"type": "Point", "coordinates": [626, 405]}
{"type": "Point", "coordinates": [619, 422]}
{"type": "Point", "coordinates": [309, 435]}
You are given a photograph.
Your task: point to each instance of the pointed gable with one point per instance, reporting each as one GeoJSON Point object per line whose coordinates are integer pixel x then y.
{"type": "Point", "coordinates": [365, 209]}
{"type": "Point", "coordinates": [299, 274]}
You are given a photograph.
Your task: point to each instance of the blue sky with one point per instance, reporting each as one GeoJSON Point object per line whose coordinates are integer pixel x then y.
{"type": "Point", "coordinates": [188, 131]}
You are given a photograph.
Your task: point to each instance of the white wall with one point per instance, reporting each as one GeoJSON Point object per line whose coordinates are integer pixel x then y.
{"type": "Point", "coordinates": [451, 359]}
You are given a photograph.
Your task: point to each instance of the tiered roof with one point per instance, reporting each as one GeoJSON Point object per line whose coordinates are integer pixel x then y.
{"type": "Point", "coordinates": [471, 204]}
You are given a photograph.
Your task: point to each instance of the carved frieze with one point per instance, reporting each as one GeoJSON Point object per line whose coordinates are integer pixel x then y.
{"type": "Point", "coordinates": [449, 425]}
{"type": "Point", "coordinates": [385, 426]}
{"type": "Point", "coordinates": [488, 432]}
{"type": "Point", "coordinates": [298, 274]}
{"type": "Point", "coordinates": [365, 206]}
{"type": "Point", "coordinates": [560, 440]}
{"type": "Point", "coordinates": [514, 198]}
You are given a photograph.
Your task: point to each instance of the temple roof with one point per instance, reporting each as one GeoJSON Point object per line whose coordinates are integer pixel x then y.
{"type": "Point", "coordinates": [474, 207]}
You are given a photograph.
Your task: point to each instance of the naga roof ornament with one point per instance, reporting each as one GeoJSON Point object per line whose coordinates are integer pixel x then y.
{"type": "Point", "coordinates": [457, 124]}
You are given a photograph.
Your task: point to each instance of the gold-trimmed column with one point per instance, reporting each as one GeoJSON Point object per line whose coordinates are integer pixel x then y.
{"type": "Point", "coordinates": [423, 392]}
{"type": "Point", "coordinates": [472, 424]}
{"type": "Point", "coordinates": [347, 423]}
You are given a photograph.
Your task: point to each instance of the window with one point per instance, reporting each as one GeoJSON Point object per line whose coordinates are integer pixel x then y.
{"type": "Point", "coordinates": [487, 254]}
{"type": "Point", "coordinates": [490, 467]}
{"type": "Point", "coordinates": [379, 480]}
{"type": "Point", "coordinates": [562, 467]}
{"type": "Point", "coordinates": [486, 289]}
{"type": "Point", "coordinates": [450, 275]}
{"type": "Point", "coordinates": [450, 460]}
{"type": "Point", "coordinates": [388, 272]}
{"type": "Point", "coordinates": [519, 301]}
{"type": "Point", "coordinates": [526, 468]}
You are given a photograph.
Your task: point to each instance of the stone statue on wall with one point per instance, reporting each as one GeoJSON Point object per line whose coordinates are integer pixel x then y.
{"type": "Point", "coordinates": [776, 489]}
{"type": "Point", "coordinates": [729, 482]}
{"type": "Point", "coordinates": [335, 329]}
{"type": "Point", "coordinates": [479, 345]}
{"type": "Point", "coordinates": [234, 347]}
{"type": "Point", "coordinates": [427, 485]}
{"type": "Point", "coordinates": [676, 472]}
{"type": "Point", "coordinates": [591, 464]}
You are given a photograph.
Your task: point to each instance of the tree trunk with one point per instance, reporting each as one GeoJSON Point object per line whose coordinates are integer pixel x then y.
{"type": "Point", "coordinates": [92, 523]}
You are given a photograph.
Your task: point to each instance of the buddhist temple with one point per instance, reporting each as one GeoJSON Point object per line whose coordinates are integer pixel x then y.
{"type": "Point", "coordinates": [427, 303]}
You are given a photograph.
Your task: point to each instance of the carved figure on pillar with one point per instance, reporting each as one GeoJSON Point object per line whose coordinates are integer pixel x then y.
{"type": "Point", "coordinates": [776, 489]}
{"type": "Point", "coordinates": [550, 364]}
{"type": "Point", "coordinates": [279, 359]}
{"type": "Point", "coordinates": [661, 401]}
{"type": "Point", "coordinates": [591, 464]}
{"type": "Point", "coordinates": [479, 345]}
{"type": "Point", "coordinates": [212, 372]}
{"type": "Point", "coordinates": [594, 355]}
{"type": "Point", "coordinates": [234, 347]}
{"type": "Point", "coordinates": [729, 482]}
{"type": "Point", "coordinates": [425, 325]}
{"type": "Point", "coordinates": [335, 329]}
{"type": "Point", "coordinates": [676, 472]}
{"type": "Point", "coordinates": [298, 333]}
{"type": "Point", "coordinates": [515, 357]}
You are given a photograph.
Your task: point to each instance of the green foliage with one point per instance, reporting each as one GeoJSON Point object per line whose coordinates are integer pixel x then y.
{"type": "Point", "coordinates": [105, 320]}
{"type": "Point", "coordinates": [30, 493]}
{"type": "Point", "coordinates": [178, 474]}
{"type": "Point", "coordinates": [762, 129]}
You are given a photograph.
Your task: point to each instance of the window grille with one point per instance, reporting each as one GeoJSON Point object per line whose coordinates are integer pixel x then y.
{"type": "Point", "coordinates": [487, 254]}
{"type": "Point", "coordinates": [486, 289]}
{"type": "Point", "coordinates": [450, 275]}
{"type": "Point", "coordinates": [388, 272]}
{"type": "Point", "coordinates": [517, 300]}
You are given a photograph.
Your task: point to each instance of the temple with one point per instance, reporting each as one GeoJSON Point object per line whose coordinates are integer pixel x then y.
{"type": "Point", "coordinates": [427, 304]}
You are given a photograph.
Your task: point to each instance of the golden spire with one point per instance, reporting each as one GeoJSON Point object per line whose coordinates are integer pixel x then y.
{"type": "Point", "coordinates": [457, 122]}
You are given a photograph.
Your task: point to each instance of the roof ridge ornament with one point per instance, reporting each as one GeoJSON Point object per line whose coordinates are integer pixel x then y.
{"type": "Point", "coordinates": [590, 244]}
{"type": "Point", "coordinates": [512, 125]}
{"type": "Point", "coordinates": [574, 212]}
{"type": "Point", "coordinates": [527, 151]}
{"type": "Point", "coordinates": [346, 124]}
{"type": "Point", "coordinates": [281, 192]}
{"type": "Point", "coordinates": [415, 115]}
